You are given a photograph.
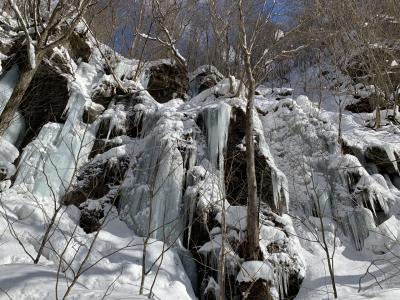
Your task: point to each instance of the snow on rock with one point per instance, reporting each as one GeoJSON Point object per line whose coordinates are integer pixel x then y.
{"type": "Point", "coordinates": [204, 77]}
{"type": "Point", "coordinates": [382, 238]}
{"type": "Point", "coordinates": [235, 217]}
{"type": "Point", "coordinates": [251, 271]}
{"type": "Point", "coordinates": [49, 163]}
{"type": "Point", "coordinates": [117, 118]}
{"type": "Point", "coordinates": [8, 154]}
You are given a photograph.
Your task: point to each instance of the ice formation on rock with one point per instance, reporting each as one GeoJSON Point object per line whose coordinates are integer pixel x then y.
{"type": "Point", "coordinates": [49, 163]}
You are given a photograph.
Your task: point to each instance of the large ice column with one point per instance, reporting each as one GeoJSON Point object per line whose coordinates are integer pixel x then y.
{"type": "Point", "coordinates": [360, 223]}
{"type": "Point", "coordinates": [60, 150]}
{"type": "Point", "coordinates": [35, 155]}
{"type": "Point", "coordinates": [152, 193]}
{"type": "Point", "coordinates": [216, 125]}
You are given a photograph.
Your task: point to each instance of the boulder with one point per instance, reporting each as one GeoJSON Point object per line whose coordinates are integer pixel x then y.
{"type": "Point", "coordinates": [45, 99]}
{"type": "Point", "coordinates": [167, 81]}
{"type": "Point", "coordinates": [203, 78]}
{"type": "Point", "coordinates": [90, 220]}
{"type": "Point", "coordinates": [363, 105]}
{"type": "Point", "coordinates": [96, 179]}
{"type": "Point", "coordinates": [79, 47]}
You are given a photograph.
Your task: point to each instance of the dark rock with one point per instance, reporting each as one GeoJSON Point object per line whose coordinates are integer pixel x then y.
{"type": "Point", "coordinates": [259, 290]}
{"type": "Point", "coordinates": [203, 78]}
{"type": "Point", "coordinates": [96, 179]}
{"type": "Point", "coordinates": [90, 220]}
{"type": "Point", "coordinates": [79, 47]}
{"type": "Point", "coordinates": [45, 100]}
{"type": "Point", "coordinates": [167, 81]}
{"type": "Point", "coordinates": [364, 105]}
{"type": "Point", "coordinates": [379, 157]}
{"type": "Point", "coordinates": [235, 167]}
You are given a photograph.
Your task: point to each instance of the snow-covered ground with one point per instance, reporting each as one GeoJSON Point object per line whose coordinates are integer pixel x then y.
{"type": "Point", "coordinates": [114, 267]}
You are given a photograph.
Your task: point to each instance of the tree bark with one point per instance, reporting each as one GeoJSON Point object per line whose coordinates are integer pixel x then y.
{"type": "Point", "coordinates": [377, 116]}
{"type": "Point", "coordinates": [252, 201]}
{"type": "Point", "coordinates": [16, 98]}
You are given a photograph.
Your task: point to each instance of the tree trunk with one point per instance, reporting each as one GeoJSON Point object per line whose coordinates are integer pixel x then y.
{"type": "Point", "coordinates": [377, 116]}
{"type": "Point", "coordinates": [340, 138]}
{"type": "Point", "coordinates": [16, 98]}
{"type": "Point", "coordinates": [252, 201]}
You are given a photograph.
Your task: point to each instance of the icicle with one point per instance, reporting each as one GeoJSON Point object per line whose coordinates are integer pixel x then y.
{"type": "Point", "coordinates": [391, 155]}
{"type": "Point", "coordinates": [217, 119]}
{"type": "Point", "coordinates": [161, 169]}
{"type": "Point", "coordinates": [360, 221]}
{"type": "Point", "coordinates": [117, 117]}
{"type": "Point", "coordinates": [280, 189]}
{"type": "Point", "coordinates": [61, 148]}
{"type": "Point", "coordinates": [190, 205]}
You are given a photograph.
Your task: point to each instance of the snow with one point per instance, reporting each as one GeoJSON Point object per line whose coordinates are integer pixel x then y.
{"type": "Point", "coordinates": [303, 141]}
{"type": "Point", "coordinates": [8, 154]}
{"type": "Point", "coordinates": [251, 271]}
{"type": "Point", "coordinates": [235, 217]}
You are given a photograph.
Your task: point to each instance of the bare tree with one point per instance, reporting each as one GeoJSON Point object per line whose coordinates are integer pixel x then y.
{"type": "Point", "coordinates": [46, 23]}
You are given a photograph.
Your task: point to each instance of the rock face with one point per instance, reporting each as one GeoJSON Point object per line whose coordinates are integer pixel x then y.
{"type": "Point", "coordinates": [235, 168]}
{"type": "Point", "coordinates": [48, 94]}
{"type": "Point", "coordinates": [45, 100]}
{"type": "Point", "coordinates": [167, 81]}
